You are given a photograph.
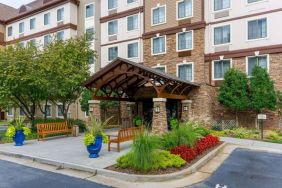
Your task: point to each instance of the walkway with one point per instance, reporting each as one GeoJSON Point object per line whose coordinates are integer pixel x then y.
{"type": "Point", "coordinates": [252, 143]}
{"type": "Point", "coordinates": [67, 150]}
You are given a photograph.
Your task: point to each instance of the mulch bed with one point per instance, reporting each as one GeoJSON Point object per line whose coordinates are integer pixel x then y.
{"type": "Point", "coordinates": [161, 171]}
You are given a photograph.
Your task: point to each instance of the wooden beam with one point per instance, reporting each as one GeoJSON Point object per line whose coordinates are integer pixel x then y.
{"type": "Point", "coordinates": [111, 99]}
{"type": "Point", "coordinates": [172, 96]}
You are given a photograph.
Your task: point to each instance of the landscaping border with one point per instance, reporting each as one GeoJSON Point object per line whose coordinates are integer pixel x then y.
{"type": "Point", "coordinates": [123, 176]}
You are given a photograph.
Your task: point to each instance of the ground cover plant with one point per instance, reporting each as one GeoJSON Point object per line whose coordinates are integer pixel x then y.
{"type": "Point", "coordinates": [172, 150]}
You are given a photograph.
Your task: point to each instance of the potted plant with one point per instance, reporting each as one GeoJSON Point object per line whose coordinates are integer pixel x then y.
{"type": "Point", "coordinates": [94, 136]}
{"type": "Point", "coordinates": [137, 121]}
{"type": "Point", "coordinates": [18, 131]}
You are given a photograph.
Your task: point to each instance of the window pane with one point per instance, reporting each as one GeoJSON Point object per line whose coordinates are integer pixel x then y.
{"type": "Point", "coordinates": [161, 69]}
{"type": "Point", "coordinates": [60, 14]}
{"type": "Point", "coordinates": [159, 15]}
{"type": "Point", "coordinates": [46, 19]}
{"type": "Point", "coordinates": [59, 111]}
{"type": "Point", "coordinates": [48, 110]}
{"type": "Point", "coordinates": [220, 68]}
{"type": "Point", "coordinates": [112, 27]}
{"type": "Point", "coordinates": [10, 31]}
{"type": "Point", "coordinates": [47, 39]}
{"type": "Point", "coordinates": [131, 1]}
{"type": "Point", "coordinates": [222, 35]}
{"type": "Point", "coordinates": [133, 50]}
{"type": "Point", "coordinates": [32, 23]}
{"type": "Point", "coordinates": [158, 45]}
{"type": "Point", "coordinates": [60, 35]}
{"type": "Point", "coordinates": [257, 29]}
{"type": "Point", "coordinates": [89, 34]}
{"type": "Point", "coordinates": [21, 112]}
{"type": "Point", "coordinates": [252, 62]}
{"type": "Point", "coordinates": [132, 23]}
{"type": "Point", "coordinates": [185, 41]}
{"type": "Point", "coordinates": [112, 4]}
{"type": "Point", "coordinates": [185, 9]}
{"type": "Point", "coordinates": [253, 1]}
{"type": "Point", "coordinates": [112, 53]}
{"type": "Point", "coordinates": [21, 27]}
{"type": "Point", "coordinates": [221, 4]}
{"type": "Point", "coordinates": [10, 112]}
{"type": "Point", "coordinates": [185, 72]}
{"type": "Point", "coordinates": [89, 12]}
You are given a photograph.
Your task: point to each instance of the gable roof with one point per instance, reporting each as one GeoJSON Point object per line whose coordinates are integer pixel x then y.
{"type": "Point", "coordinates": [7, 12]}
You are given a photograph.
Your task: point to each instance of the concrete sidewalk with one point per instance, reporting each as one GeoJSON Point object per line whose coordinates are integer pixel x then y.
{"type": "Point", "coordinates": [252, 143]}
{"type": "Point", "coordinates": [68, 150]}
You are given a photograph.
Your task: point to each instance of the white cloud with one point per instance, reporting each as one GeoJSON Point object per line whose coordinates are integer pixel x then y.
{"type": "Point", "coordinates": [15, 3]}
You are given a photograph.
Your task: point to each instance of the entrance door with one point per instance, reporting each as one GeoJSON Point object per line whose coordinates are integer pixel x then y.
{"type": "Point", "coordinates": [148, 107]}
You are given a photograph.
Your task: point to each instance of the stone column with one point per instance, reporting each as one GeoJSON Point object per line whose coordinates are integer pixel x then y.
{"type": "Point", "coordinates": [159, 125]}
{"type": "Point", "coordinates": [95, 109]}
{"type": "Point", "coordinates": [186, 111]}
{"type": "Point", "coordinates": [130, 106]}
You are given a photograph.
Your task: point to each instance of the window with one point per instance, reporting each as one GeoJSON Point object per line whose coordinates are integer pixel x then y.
{"type": "Point", "coordinates": [10, 112]}
{"type": "Point", "coordinates": [257, 29]}
{"type": "Point", "coordinates": [132, 50]}
{"type": "Point", "coordinates": [220, 68]}
{"type": "Point", "coordinates": [91, 60]}
{"type": "Point", "coordinates": [21, 27]}
{"type": "Point", "coordinates": [132, 23]}
{"type": "Point", "coordinates": [159, 45]}
{"type": "Point", "coordinates": [112, 4]}
{"type": "Point", "coordinates": [22, 44]}
{"type": "Point", "coordinates": [60, 35]}
{"type": "Point", "coordinates": [32, 23]}
{"type": "Point", "coordinates": [10, 31]}
{"type": "Point", "coordinates": [32, 42]}
{"type": "Point", "coordinates": [59, 110]}
{"type": "Point", "coordinates": [112, 53]}
{"type": "Point", "coordinates": [261, 61]}
{"type": "Point", "coordinates": [185, 71]}
{"type": "Point", "coordinates": [60, 14]}
{"type": "Point", "coordinates": [112, 27]}
{"type": "Point", "coordinates": [160, 68]}
{"type": "Point", "coordinates": [131, 1]}
{"type": "Point", "coordinates": [159, 15]}
{"type": "Point", "coordinates": [22, 112]}
{"type": "Point", "coordinates": [184, 9]}
{"type": "Point", "coordinates": [221, 4]}
{"type": "Point", "coordinates": [185, 41]}
{"type": "Point", "coordinates": [89, 11]}
{"type": "Point", "coordinates": [89, 34]}
{"type": "Point", "coordinates": [222, 35]}
{"type": "Point", "coordinates": [47, 39]}
{"type": "Point", "coordinates": [253, 1]}
{"type": "Point", "coordinates": [48, 110]}
{"type": "Point", "coordinates": [47, 19]}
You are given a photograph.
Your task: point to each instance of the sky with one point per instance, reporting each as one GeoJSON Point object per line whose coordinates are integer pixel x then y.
{"type": "Point", "coordinates": [15, 3]}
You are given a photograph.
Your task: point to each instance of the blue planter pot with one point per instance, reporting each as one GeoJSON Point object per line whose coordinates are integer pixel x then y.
{"type": "Point", "coordinates": [19, 138]}
{"type": "Point", "coordinates": [95, 148]}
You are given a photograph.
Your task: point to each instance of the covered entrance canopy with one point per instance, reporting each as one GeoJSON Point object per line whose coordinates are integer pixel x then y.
{"type": "Point", "coordinates": [124, 80]}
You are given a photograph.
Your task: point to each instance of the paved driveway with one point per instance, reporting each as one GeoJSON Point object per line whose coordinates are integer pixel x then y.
{"type": "Point", "coordinates": [247, 169]}
{"type": "Point", "coordinates": [18, 176]}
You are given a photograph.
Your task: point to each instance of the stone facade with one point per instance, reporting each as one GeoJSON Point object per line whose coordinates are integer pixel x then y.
{"type": "Point", "coordinates": [248, 118]}
{"type": "Point", "coordinates": [159, 125]}
{"type": "Point", "coordinates": [95, 109]}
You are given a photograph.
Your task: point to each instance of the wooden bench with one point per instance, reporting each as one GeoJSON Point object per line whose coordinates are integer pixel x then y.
{"type": "Point", "coordinates": [124, 135]}
{"type": "Point", "coordinates": [44, 129]}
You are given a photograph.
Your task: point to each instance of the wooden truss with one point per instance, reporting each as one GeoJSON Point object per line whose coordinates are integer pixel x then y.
{"type": "Point", "coordinates": [123, 80]}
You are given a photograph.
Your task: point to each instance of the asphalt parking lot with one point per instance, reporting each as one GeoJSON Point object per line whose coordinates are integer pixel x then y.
{"type": "Point", "coordinates": [17, 176]}
{"type": "Point", "coordinates": [247, 169]}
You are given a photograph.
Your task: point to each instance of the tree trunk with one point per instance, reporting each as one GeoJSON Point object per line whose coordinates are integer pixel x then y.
{"type": "Point", "coordinates": [237, 120]}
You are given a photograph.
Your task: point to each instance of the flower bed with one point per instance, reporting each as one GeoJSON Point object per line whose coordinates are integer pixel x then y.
{"type": "Point", "coordinates": [202, 145]}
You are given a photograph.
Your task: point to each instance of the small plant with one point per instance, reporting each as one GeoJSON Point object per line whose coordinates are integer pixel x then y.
{"type": "Point", "coordinates": [137, 121]}
{"type": "Point", "coordinates": [273, 136]}
{"type": "Point", "coordinates": [174, 123]}
{"type": "Point", "coordinates": [216, 127]}
{"type": "Point", "coordinates": [240, 133]}
{"type": "Point", "coordinates": [94, 129]}
{"type": "Point", "coordinates": [18, 125]}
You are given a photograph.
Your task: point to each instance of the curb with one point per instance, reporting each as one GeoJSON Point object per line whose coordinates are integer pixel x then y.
{"type": "Point", "coordinates": [163, 177]}
{"type": "Point", "coordinates": [122, 176]}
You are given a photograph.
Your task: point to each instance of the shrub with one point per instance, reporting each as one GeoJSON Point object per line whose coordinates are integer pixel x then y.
{"type": "Point", "coordinates": [137, 120]}
{"type": "Point", "coordinates": [203, 131]}
{"type": "Point", "coordinates": [216, 127]}
{"type": "Point", "coordinates": [174, 123]}
{"type": "Point", "coordinates": [240, 133]}
{"type": "Point", "coordinates": [206, 143]}
{"type": "Point", "coordinates": [160, 160]}
{"type": "Point", "coordinates": [186, 153]}
{"type": "Point", "coordinates": [80, 123]}
{"type": "Point", "coordinates": [273, 136]}
{"type": "Point", "coordinates": [186, 134]}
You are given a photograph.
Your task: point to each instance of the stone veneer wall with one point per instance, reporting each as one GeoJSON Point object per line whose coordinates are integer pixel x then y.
{"type": "Point", "coordinates": [159, 125]}
{"type": "Point", "coordinates": [248, 118]}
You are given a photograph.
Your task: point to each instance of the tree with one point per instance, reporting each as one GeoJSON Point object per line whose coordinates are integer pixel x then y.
{"type": "Point", "coordinates": [279, 103]}
{"type": "Point", "coordinates": [262, 93]}
{"type": "Point", "coordinates": [85, 97]}
{"type": "Point", "coordinates": [67, 67]}
{"type": "Point", "coordinates": [233, 93]}
{"type": "Point", "coordinates": [20, 81]}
